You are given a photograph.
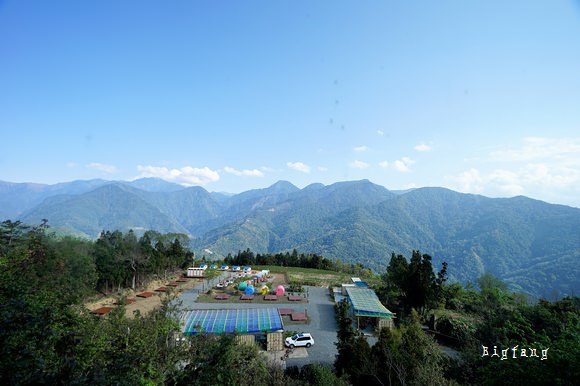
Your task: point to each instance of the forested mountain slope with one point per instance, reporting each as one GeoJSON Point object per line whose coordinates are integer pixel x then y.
{"type": "Point", "coordinates": [532, 245]}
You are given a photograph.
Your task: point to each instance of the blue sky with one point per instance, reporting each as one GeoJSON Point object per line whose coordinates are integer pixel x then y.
{"type": "Point", "coordinates": [480, 97]}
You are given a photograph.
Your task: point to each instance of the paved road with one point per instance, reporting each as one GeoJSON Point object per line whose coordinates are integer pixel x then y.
{"type": "Point", "coordinates": [322, 326]}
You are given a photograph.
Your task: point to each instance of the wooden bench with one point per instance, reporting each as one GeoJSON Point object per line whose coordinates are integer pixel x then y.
{"type": "Point", "coordinates": [145, 294]}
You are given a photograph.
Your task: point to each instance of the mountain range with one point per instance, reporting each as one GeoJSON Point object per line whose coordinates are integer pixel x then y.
{"type": "Point", "coordinates": [532, 245]}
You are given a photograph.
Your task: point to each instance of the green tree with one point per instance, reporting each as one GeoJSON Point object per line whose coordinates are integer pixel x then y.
{"type": "Point", "coordinates": [345, 338]}
{"type": "Point", "coordinates": [222, 361]}
{"type": "Point", "coordinates": [318, 375]}
{"type": "Point", "coordinates": [412, 285]}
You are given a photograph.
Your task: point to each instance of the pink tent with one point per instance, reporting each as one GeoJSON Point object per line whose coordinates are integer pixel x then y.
{"type": "Point", "coordinates": [280, 290]}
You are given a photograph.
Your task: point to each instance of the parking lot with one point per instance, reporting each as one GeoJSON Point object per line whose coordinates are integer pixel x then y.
{"type": "Point", "coordinates": [322, 323]}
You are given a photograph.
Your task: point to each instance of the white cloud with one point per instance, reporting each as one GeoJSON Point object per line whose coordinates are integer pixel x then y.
{"type": "Point", "coordinates": [380, 133]}
{"type": "Point", "coordinates": [109, 169]}
{"type": "Point", "coordinates": [505, 181]}
{"type": "Point", "coordinates": [543, 168]}
{"type": "Point", "coordinates": [410, 185]}
{"type": "Point", "coordinates": [299, 166]}
{"type": "Point", "coordinates": [469, 181]}
{"type": "Point", "coordinates": [245, 172]}
{"type": "Point", "coordinates": [402, 165]}
{"type": "Point", "coordinates": [536, 148]}
{"type": "Point", "coordinates": [499, 182]}
{"type": "Point", "coordinates": [359, 164]}
{"type": "Point", "coordinates": [536, 180]}
{"type": "Point", "coordinates": [556, 176]}
{"type": "Point", "coordinates": [322, 169]}
{"type": "Point", "coordinates": [422, 147]}
{"type": "Point", "coordinates": [186, 175]}
{"type": "Point", "coordinates": [360, 149]}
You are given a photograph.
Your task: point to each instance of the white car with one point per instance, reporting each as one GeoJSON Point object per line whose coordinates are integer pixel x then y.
{"type": "Point", "coordinates": [299, 340]}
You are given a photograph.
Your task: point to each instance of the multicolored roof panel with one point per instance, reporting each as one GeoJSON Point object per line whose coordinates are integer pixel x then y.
{"type": "Point", "coordinates": [243, 321]}
{"type": "Point", "coordinates": [365, 302]}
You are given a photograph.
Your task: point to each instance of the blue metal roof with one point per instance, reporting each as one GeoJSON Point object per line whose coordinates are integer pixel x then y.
{"type": "Point", "coordinates": [243, 321]}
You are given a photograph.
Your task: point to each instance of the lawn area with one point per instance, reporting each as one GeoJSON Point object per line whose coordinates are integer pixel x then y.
{"type": "Point", "coordinates": [311, 276]}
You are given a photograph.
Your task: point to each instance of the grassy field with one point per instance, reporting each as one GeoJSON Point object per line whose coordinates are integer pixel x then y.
{"type": "Point", "coordinates": [311, 276]}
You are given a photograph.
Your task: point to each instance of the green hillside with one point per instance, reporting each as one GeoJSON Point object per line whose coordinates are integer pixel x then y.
{"type": "Point", "coordinates": [108, 207]}
{"type": "Point", "coordinates": [532, 245]}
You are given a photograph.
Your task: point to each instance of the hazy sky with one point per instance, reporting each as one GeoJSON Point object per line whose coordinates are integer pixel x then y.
{"type": "Point", "coordinates": [478, 96]}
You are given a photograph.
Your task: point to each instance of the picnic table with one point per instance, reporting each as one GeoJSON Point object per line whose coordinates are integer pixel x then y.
{"type": "Point", "coordinates": [294, 298]}
{"type": "Point", "coordinates": [222, 297]}
{"type": "Point", "coordinates": [271, 297]}
{"type": "Point", "coordinates": [285, 311]}
{"type": "Point", "coordinates": [297, 316]}
{"type": "Point", "coordinates": [247, 297]}
{"type": "Point", "coordinates": [102, 310]}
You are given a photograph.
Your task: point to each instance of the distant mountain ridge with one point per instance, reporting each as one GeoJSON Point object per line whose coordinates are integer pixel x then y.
{"type": "Point", "coordinates": [532, 245]}
{"type": "Point", "coordinates": [17, 198]}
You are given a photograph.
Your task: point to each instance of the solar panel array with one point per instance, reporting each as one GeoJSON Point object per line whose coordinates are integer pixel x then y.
{"type": "Point", "coordinates": [243, 321]}
{"type": "Point", "coordinates": [365, 302]}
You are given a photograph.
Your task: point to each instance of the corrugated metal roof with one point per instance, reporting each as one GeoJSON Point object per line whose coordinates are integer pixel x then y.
{"type": "Point", "coordinates": [243, 321]}
{"type": "Point", "coordinates": [365, 302]}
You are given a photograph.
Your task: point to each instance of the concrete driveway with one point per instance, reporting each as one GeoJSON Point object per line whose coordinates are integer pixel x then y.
{"type": "Point", "coordinates": [322, 327]}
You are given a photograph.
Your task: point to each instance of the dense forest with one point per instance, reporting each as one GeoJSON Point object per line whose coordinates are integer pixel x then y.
{"type": "Point", "coordinates": [47, 336]}
{"type": "Point", "coordinates": [498, 337]}
{"type": "Point", "coordinates": [295, 259]}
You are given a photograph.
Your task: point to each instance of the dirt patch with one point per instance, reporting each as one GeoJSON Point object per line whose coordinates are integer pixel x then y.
{"type": "Point", "coordinates": [277, 279]}
{"type": "Point", "coordinates": [144, 305]}
{"type": "Point", "coordinates": [320, 280]}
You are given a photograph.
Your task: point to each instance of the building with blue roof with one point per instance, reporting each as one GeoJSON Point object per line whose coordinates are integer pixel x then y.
{"type": "Point", "coordinates": [367, 308]}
